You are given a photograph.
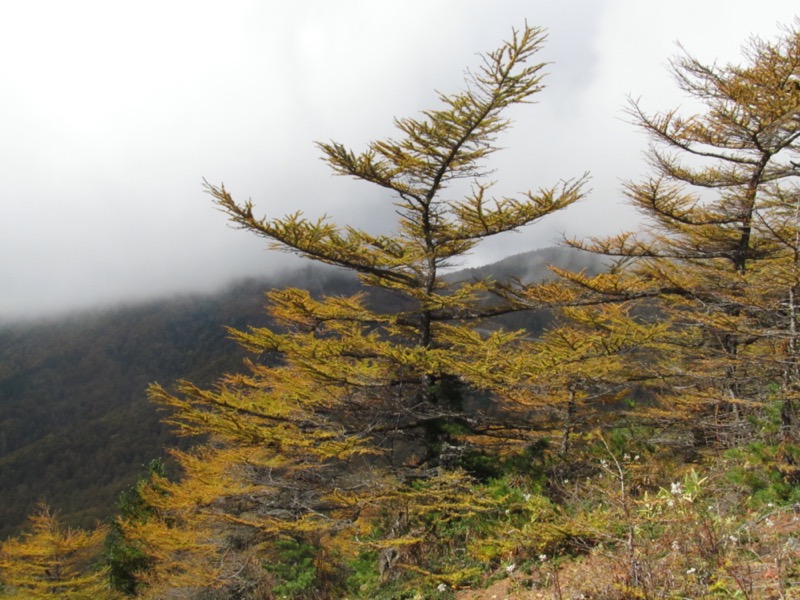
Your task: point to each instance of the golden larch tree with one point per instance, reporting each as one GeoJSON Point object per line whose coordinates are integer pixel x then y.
{"type": "Point", "coordinates": [359, 406]}
{"type": "Point", "coordinates": [54, 561]}
{"type": "Point", "coordinates": [718, 250]}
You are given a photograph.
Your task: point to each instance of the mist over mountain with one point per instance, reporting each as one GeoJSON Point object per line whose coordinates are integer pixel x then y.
{"type": "Point", "coordinates": [75, 424]}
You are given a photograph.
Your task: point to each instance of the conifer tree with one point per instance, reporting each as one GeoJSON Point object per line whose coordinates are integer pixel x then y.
{"type": "Point", "coordinates": [719, 247]}
{"type": "Point", "coordinates": [53, 561]}
{"type": "Point", "coordinates": [351, 341]}
{"type": "Point", "coordinates": [566, 380]}
{"type": "Point", "coordinates": [127, 562]}
{"type": "Point", "coordinates": [354, 409]}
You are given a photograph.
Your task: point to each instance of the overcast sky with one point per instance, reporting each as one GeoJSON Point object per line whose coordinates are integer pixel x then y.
{"type": "Point", "coordinates": [112, 113]}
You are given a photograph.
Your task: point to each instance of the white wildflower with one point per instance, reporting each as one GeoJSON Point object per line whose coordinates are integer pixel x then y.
{"type": "Point", "coordinates": [510, 568]}
{"type": "Point", "coordinates": [527, 497]}
{"type": "Point", "coordinates": [676, 488]}
{"type": "Point", "coordinates": [543, 557]}
{"type": "Point", "coordinates": [441, 588]}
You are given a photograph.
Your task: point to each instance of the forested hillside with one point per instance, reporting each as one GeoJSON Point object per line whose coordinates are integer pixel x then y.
{"type": "Point", "coordinates": [75, 423]}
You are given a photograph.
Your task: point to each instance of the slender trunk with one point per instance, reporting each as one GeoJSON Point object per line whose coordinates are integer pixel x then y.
{"type": "Point", "coordinates": [569, 423]}
{"type": "Point", "coordinates": [791, 377]}
{"type": "Point", "coordinates": [742, 254]}
{"type": "Point", "coordinates": [741, 257]}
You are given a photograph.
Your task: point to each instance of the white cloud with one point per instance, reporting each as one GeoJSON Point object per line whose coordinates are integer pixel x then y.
{"type": "Point", "coordinates": [113, 113]}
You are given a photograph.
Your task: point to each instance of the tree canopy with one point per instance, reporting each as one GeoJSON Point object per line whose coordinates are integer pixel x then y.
{"type": "Point", "coordinates": [53, 561]}
{"type": "Point", "coordinates": [718, 249]}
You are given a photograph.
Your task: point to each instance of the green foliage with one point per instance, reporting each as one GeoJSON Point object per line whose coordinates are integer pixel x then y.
{"type": "Point", "coordinates": [757, 468]}
{"type": "Point", "coordinates": [127, 560]}
{"type": "Point", "coordinates": [364, 580]}
{"type": "Point", "coordinates": [630, 440]}
{"type": "Point", "coordinates": [295, 569]}
{"type": "Point", "coordinates": [480, 464]}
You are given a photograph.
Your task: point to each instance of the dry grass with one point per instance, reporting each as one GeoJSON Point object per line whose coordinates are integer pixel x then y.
{"type": "Point", "coordinates": [763, 565]}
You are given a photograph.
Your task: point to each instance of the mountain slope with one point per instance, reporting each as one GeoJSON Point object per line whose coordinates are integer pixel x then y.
{"type": "Point", "coordinates": [75, 425]}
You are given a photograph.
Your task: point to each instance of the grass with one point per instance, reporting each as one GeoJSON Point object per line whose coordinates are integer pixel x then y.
{"type": "Point", "coordinates": [619, 521]}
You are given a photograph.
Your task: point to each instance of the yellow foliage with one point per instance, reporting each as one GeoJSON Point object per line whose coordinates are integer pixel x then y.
{"type": "Point", "coordinates": [53, 561]}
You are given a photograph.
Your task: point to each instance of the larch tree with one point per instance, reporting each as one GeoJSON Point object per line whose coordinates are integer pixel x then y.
{"type": "Point", "coordinates": [719, 246]}
{"type": "Point", "coordinates": [54, 561]}
{"type": "Point", "coordinates": [361, 406]}
{"type": "Point", "coordinates": [585, 369]}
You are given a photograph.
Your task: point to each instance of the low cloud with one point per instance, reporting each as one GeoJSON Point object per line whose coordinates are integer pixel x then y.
{"type": "Point", "coordinates": [113, 114]}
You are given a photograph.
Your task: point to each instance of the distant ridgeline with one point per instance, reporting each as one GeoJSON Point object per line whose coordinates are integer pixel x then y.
{"type": "Point", "coordinates": [75, 425]}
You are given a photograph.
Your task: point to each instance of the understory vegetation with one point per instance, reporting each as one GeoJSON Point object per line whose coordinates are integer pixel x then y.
{"type": "Point", "coordinates": [643, 444]}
